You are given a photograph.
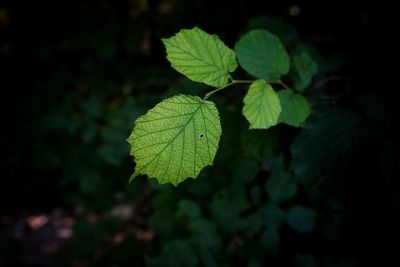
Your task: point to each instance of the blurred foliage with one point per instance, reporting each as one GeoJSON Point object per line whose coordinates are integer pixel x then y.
{"type": "Point", "coordinates": [78, 73]}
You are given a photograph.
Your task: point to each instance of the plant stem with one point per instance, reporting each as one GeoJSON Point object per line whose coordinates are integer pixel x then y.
{"type": "Point", "coordinates": [280, 83]}
{"type": "Point", "coordinates": [225, 86]}
{"type": "Point", "coordinates": [233, 82]}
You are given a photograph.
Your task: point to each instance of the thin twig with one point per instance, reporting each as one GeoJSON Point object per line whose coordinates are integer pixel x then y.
{"type": "Point", "coordinates": [225, 86]}
{"type": "Point", "coordinates": [280, 83]}
{"type": "Point", "coordinates": [233, 82]}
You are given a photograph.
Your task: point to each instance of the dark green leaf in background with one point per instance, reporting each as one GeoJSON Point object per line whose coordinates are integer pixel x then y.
{"type": "Point", "coordinates": [270, 240]}
{"type": "Point", "coordinates": [226, 210]}
{"type": "Point", "coordinates": [280, 186]}
{"type": "Point", "coordinates": [261, 143]}
{"type": "Point", "coordinates": [301, 219]}
{"type": "Point", "coordinates": [272, 215]}
{"type": "Point", "coordinates": [189, 209]}
{"type": "Point", "coordinates": [324, 147]}
{"type": "Point", "coordinates": [177, 253]}
{"type": "Point", "coordinates": [262, 55]}
{"type": "Point", "coordinates": [295, 108]}
{"type": "Point", "coordinates": [303, 69]}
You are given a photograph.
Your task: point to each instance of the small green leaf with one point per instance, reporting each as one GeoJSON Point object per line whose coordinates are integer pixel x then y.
{"type": "Point", "coordinates": [176, 139]}
{"type": "Point", "coordinates": [295, 108]}
{"type": "Point", "coordinates": [270, 240]}
{"type": "Point", "coordinates": [200, 56]}
{"type": "Point", "coordinates": [272, 215]}
{"type": "Point", "coordinates": [262, 55]}
{"type": "Point", "coordinates": [280, 186]}
{"type": "Point", "coordinates": [303, 70]}
{"type": "Point", "coordinates": [261, 105]}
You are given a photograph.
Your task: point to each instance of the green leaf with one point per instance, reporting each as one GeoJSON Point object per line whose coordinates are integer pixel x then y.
{"type": "Point", "coordinates": [226, 210]}
{"type": "Point", "coordinates": [188, 209]}
{"type": "Point", "coordinates": [272, 215]}
{"type": "Point", "coordinates": [205, 254]}
{"type": "Point", "coordinates": [176, 253]}
{"type": "Point", "coordinates": [280, 186]}
{"type": "Point", "coordinates": [250, 224]}
{"type": "Point", "coordinates": [324, 149]}
{"type": "Point", "coordinates": [243, 172]}
{"type": "Point", "coordinates": [262, 55]}
{"type": "Point", "coordinates": [200, 56]}
{"type": "Point", "coordinates": [261, 105]}
{"type": "Point", "coordinates": [206, 230]}
{"type": "Point", "coordinates": [325, 64]}
{"type": "Point", "coordinates": [301, 219]}
{"type": "Point", "coordinates": [270, 240]}
{"type": "Point", "coordinates": [295, 108]}
{"type": "Point", "coordinates": [176, 139]}
{"type": "Point", "coordinates": [303, 70]}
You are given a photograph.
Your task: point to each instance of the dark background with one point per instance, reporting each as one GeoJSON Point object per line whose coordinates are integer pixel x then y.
{"type": "Point", "coordinates": [76, 74]}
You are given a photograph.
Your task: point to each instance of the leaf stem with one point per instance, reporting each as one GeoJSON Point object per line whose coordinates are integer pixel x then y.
{"type": "Point", "coordinates": [280, 82]}
{"type": "Point", "coordinates": [233, 82]}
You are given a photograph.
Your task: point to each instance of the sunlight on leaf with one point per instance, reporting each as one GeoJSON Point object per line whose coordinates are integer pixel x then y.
{"type": "Point", "coordinates": [176, 139]}
{"type": "Point", "coordinates": [261, 106]}
{"type": "Point", "coordinates": [201, 57]}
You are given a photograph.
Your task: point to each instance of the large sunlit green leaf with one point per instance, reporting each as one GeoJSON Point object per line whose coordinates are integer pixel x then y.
{"type": "Point", "coordinates": [295, 108]}
{"type": "Point", "coordinates": [176, 139]}
{"type": "Point", "coordinates": [200, 56]}
{"type": "Point", "coordinates": [261, 105]}
{"type": "Point", "coordinates": [262, 55]}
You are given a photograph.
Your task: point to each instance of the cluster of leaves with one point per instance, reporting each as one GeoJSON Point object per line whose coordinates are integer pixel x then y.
{"type": "Point", "coordinates": [237, 219]}
{"type": "Point", "coordinates": [187, 128]}
{"type": "Point", "coordinates": [92, 123]}
{"type": "Point", "coordinates": [254, 208]}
